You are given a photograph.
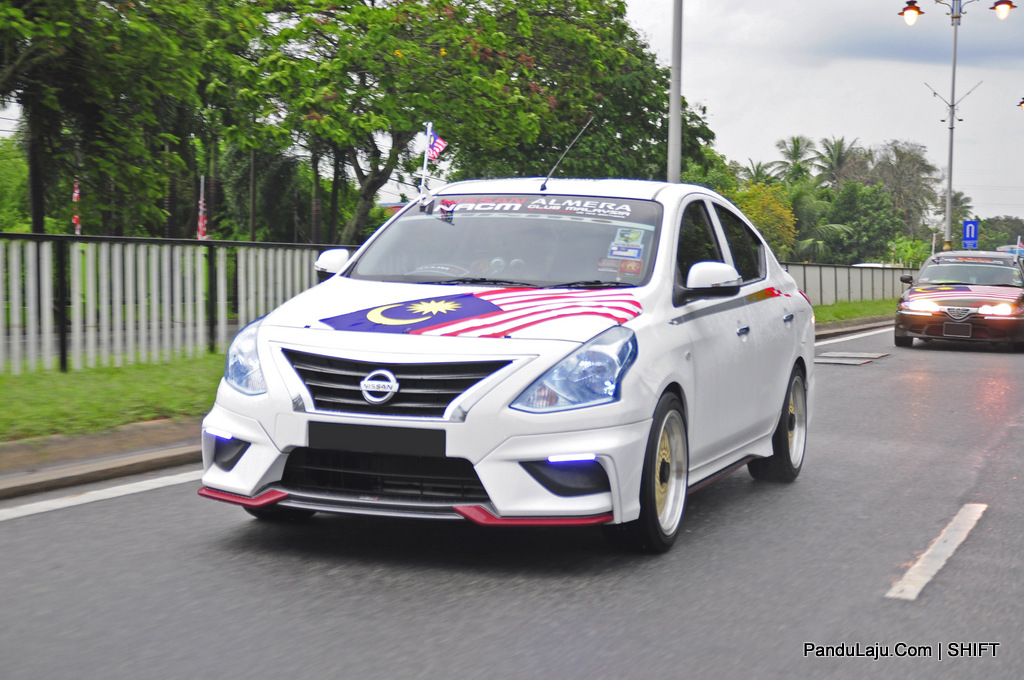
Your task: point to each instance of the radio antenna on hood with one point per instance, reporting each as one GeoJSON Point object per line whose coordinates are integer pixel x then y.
{"type": "Point", "coordinates": [544, 185]}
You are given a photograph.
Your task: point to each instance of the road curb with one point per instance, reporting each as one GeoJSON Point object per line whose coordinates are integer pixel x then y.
{"type": "Point", "coordinates": [62, 476]}
{"type": "Point", "coordinates": [832, 330]}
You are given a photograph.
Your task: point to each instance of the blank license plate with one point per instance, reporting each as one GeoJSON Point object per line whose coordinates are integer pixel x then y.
{"type": "Point", "coordinates": [956, 330]}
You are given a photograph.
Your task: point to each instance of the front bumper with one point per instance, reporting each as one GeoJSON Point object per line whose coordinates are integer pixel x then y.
{"type": "Point", "coordinates": [476, 473]}
{"type": "Point", "coordinates": [976, 327]}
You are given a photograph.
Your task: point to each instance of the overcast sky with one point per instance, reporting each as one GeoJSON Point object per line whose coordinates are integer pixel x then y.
{"type": "Point", "coordinates": [769, 70]}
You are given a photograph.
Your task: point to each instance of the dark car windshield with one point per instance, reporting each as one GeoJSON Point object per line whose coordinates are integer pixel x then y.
{"type": "Point", "coordinates": [517, 239]}
{"type": "Point", "coordinates": [983, 274]}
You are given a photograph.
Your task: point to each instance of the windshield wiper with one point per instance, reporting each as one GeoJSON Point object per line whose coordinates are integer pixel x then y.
{"type": "Point", "coordinates": [483, 280]}
{"type": "Point", "coordinates": [593, 283]}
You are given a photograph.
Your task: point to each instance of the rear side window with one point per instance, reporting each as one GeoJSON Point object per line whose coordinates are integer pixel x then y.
{"type": "Point", "coordinates": [696, 240]}
{"type": "Point", "coordinates": [747, 249]}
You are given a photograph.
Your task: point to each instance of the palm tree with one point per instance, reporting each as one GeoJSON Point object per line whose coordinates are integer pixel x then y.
{"type": "Point", "coordinates": [838, 161]}
{"type": "Point", "coordinates": [796, 154]}
{"type": "Point", "coordinates": [755, 173]}
{"type": "Point", "coordinates": [909, 179]}
{"type": "Point", "coordinates": [814, 247]}
{"type": "Point", "coordinates": [962, 207]}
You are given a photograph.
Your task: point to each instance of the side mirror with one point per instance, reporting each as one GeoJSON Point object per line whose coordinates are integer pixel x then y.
{"type": "Point", "coordinates": [907, 278]}
{"type": "Point", "coordinates": [330, 262]}
{"type": "Point", "coordinates": [709, 279]}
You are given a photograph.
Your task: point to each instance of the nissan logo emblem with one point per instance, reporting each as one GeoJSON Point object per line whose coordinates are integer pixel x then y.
{"type": "Point", "coordinates": [379, 386]}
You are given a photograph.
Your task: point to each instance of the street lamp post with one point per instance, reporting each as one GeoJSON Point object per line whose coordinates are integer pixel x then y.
{"type": "Point", "coordinates": [910, 13]}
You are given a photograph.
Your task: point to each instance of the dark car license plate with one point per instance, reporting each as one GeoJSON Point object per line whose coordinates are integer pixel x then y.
{"type": "Point", "coordinates": [377, 439]}
{"type": "Point", "coordinates": [956, 330]}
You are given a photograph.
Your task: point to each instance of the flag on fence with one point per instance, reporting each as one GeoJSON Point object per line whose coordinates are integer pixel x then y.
{"type": "Point", "coordinates": [201, 228]}
{"type": "Point", "coordinates": [435, 145]}
{"type": "Point", "coordinates": [74, 218]}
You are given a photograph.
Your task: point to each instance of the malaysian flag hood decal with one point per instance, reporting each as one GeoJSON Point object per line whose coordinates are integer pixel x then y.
{"type": "Point", "coordinates": [479, 312]}
{"type": "Point", "coordinates": [964, 294]}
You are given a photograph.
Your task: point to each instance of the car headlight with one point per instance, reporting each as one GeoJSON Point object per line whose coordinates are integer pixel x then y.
{"type": "Point", "coordinates": [1001, 309]}
{"type": "Point", "coordinates": [589, 376]}
{"type": "Point", "coordinates": [921, 306]}
{"type": "Point", "coordinates": [242, 366]}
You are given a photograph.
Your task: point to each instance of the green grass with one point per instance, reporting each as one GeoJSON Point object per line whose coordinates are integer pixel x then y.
{"type": "Point", "coordinates": [39, 404]}
{"type": "Point", "coordinates": [846, 311]}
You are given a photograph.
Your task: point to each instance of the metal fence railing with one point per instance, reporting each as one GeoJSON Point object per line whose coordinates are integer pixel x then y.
{"type": "Point", "coordinates": [826, 284]}
{"type": "Point", "coordinates": [74, 302]}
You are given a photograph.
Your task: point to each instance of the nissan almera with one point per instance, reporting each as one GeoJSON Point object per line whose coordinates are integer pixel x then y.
{"type": "Point", "coordinates": [515, 352]}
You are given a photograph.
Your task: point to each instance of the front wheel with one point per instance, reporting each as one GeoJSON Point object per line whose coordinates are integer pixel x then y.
{"type": "Point", "coordinates": [790, 439]}
{"type": "Point", "coordinates": [902, 341]}
{"type": "Point", "coordinates": [663, 485]}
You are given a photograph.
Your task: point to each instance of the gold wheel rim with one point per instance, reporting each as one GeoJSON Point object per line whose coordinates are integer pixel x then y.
{"type": "Point", "coordinates": [662, 481]}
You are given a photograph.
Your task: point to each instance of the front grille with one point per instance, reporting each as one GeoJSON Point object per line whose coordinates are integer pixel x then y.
{"type": "Point", "coordinates": [396, 477]}
{"type": "Point", "coordinates": [425, 390]}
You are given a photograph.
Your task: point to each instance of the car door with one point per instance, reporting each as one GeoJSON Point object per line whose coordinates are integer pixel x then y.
{"type": "Point", "coordinates": [710, 342]}
{"type": "Point", "coordinates": [768, 339]}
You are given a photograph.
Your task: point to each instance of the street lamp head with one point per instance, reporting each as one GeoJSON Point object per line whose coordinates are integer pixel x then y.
{"type": "Point", "coordinates": [1021, 105]}
{"type": "Point", "coordinates": [1003, 8]}
{"type": "Point", "coordinates": [911, 11]}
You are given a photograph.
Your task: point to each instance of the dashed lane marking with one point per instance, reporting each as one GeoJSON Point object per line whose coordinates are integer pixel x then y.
{"type": "Point", "coordinates": [925, 569]}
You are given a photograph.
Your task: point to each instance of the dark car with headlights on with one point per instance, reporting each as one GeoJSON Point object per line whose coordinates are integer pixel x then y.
{"type": "Point", "coordinates": [965, 296]}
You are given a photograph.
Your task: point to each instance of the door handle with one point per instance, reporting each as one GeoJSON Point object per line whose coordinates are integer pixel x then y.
{"type": "Point", "coordinates": [789, 317]}
{"type": "Point", "coordinates": [743, 330]}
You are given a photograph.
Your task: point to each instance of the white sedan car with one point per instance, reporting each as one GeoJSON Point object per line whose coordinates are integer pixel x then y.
{"type": "Point", "coordinates": [515, 352]}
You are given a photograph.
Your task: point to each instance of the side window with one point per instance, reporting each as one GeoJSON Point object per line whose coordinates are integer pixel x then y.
{"type": "Point", "coordinates": [747, 249]}
{"type": "Point", "coordinates": [696, 240]}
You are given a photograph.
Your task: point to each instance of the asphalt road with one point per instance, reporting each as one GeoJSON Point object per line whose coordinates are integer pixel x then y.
{"type": "Point", "coordinates": [765, 579]}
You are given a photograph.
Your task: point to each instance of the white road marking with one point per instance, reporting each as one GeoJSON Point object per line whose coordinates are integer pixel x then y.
{"type": "Point", "coordinates": [844, 338]}
{"type": "Point", "coordinates": [98, 495]}
{"type": "Point", "coordinates": [918, 576]}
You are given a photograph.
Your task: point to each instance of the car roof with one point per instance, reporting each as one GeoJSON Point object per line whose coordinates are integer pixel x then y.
{"type": "Point", "coordinates": [611, 188]}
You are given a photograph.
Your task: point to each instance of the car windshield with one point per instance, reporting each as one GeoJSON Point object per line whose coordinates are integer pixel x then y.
{"type": "Point", "coordinates": [984, 274]}
{"type": "Point", "coordinates": [529, 240]}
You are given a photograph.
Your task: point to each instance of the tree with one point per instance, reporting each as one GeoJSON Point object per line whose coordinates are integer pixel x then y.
{"type": "Point", "coordinates": [797, 155]}
{"type": "Point", "coordinates": [910, 181]}
{"type": "Point", "coordinates": [999, 231]}
{"type": "Point", "coordinates": [962, 208]}
{"type": "Point", "coordinates": [107, 93]}
{"type": "Point", "coordinates": [872, 220]}
{"type": "Point", "coordinates": [755, 173]}
{"type": "Point", "coordinates": [769, 209]}
{"type": "Point", "coordinates": [836, 161]}
{"type": "Point", "coordinates": [14, 213]}
{"type": "Point", "coordinates": [629, 132]}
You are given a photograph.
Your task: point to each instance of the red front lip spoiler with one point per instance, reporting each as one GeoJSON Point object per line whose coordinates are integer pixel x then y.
{"type": "Point", "coordinates": [480, 515]}
{"type": "Point", "coordinates": [265, 498]}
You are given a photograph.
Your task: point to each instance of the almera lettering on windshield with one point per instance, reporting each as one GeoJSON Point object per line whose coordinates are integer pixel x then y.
{"type": "Point", "coordinates": [645, 212]}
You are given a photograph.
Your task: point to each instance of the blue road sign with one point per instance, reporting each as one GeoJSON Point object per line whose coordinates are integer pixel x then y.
{"type": "Point", "coordinates": [970, 233]}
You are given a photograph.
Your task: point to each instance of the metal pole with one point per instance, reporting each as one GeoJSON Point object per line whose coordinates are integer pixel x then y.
{"type": "Point", "coordinates": [675, 95]}
{"type": "Point", "coordinates": [948, 245]}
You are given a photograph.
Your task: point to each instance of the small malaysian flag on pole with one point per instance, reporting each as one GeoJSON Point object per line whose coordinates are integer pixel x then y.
{"type": "Point", "coordinates": [75, 219]}
{"type": "Point", "coordinates": [435, 145]}
{"type": "Point", "coordinates": [201, 228]}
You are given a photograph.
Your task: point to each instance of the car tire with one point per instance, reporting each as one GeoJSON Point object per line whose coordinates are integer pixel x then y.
{"type": "Point", "coordinates": [663, 486]}
{"type": "Point", "coordinates": [902, 341]}
{"type": "Point", "coordinates": [276, 513]}
{"type": "Point", "coordinates": [789, 442]}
